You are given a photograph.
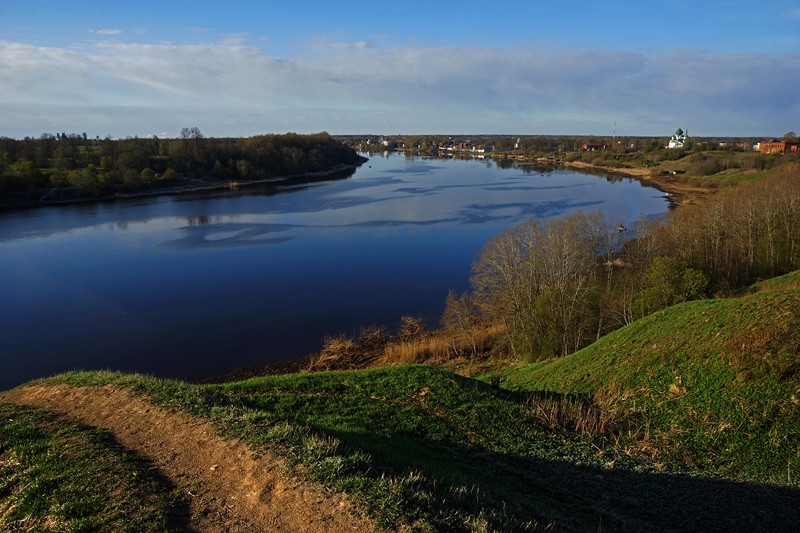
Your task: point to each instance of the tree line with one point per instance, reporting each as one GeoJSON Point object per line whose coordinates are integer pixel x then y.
{"type": "Point", "coordinates": [100, 166]}
{"type": "Point", "coordinates": [558, 285]}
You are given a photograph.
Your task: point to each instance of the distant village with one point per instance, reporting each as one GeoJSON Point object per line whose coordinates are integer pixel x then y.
{"type": "Point", "coordinates": [487, 144]}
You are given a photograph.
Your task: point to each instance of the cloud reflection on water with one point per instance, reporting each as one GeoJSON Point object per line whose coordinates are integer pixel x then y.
{"type": "Point", "coordinates": [205, 233]}
{"type": "Point", "coordinates": [228, 235]}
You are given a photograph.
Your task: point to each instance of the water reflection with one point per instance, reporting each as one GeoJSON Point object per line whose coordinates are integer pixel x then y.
{"type": "Point", "coordinates": [201, 220]}
{"type": "Point", "coordinates": [484, 213]}
{"type": "Point", "coordinates": [193, 285]}
{"type": "Point", "coordinates": [227, 235]}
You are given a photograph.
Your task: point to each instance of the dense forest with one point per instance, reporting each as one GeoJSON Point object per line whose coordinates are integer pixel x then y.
{"type": "Point", "coordinates": [73, 165]}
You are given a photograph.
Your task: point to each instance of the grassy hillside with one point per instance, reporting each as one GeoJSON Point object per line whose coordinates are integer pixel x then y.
{"type": "Point", "coordinates": [780, 283]}
{"type": "Point", "coordinates": [713, 383]}
{"type": "Point", "coordinates": [422, 447]}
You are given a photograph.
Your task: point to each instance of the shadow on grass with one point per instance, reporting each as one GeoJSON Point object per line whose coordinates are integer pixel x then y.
{"type": "Point", "coordinates": [155, 485]}
{"type": "Point", "coordinates": [448, 453]}
{"type": "Point", "coordinates": [457, 452]}
{"type": "Point", "coordinates": [523, 493]}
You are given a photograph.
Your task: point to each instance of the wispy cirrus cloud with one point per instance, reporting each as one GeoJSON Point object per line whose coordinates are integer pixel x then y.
{"type": "Point", "coordinates": [349, 87]}
{"type": "Point", "coordinates": [106, 32]}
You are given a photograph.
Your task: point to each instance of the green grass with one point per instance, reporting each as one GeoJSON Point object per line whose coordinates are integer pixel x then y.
{"type": "Point", "coordinates": [787, 281]}
{"type": "Point", "coordinates": [56, 476]}
{"type": "Point", "coordinates": [420, 446]}
{"type": "Point", "coordinates": [736, 175]}
{"type": "Point", "coordinates": [716, 383]}
{"type": "Point", "coordinates": [416, 444]}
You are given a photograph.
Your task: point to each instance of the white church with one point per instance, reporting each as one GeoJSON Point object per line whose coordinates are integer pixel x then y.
{"type": "Point", "coordinates": [678, 139]}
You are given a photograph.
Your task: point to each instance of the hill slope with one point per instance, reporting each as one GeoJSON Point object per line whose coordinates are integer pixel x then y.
{"type": "Point", "coordinates": [421, 448]}
{"type": "Point", "coordinates": [715, 383]}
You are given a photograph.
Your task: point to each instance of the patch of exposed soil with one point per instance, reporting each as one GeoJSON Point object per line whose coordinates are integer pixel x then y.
{"type": "Point", "coordinates": [229, 487]}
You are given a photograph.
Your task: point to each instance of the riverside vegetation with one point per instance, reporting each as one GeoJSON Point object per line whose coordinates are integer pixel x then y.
{"type": "Point", "coordinates": [595, 378]}
{"type": "Point", "coordinates": [71, 166]}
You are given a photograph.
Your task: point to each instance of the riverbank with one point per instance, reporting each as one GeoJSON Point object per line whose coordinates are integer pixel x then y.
{"type": "Point", "coordinates": [678, 191]}
{"type": "Point", "coordinates": [192, 185]}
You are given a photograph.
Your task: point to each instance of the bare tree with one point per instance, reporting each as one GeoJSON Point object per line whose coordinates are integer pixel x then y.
{"type": "Point", "coordinates": [537, 277]}
{"type": "Point", "coordinates": [460, 318]}
{"type": "Point", "coordinates": [191, 133]}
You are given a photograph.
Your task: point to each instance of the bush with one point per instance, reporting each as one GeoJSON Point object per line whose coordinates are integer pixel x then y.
{"type": "Point", "coordinates": [703, 165]}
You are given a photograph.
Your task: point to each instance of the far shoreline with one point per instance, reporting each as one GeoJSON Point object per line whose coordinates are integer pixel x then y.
{"type": "Point", "coordinates": [677, 192]}
{"type": "Point", "coordinates": [191, 185]}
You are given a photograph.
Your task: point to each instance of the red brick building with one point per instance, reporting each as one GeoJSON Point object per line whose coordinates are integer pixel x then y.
{"type": "Point", "coordinates": [778, 147]}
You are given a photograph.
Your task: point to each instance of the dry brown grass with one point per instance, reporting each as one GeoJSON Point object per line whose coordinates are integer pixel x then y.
{"type": "Point", "coordinates": [765, 348]}
{"type": "Point", "coordinates": [412, 344]}
{"type": "Point", "coordinates": [782, 287]}
{"type": "Point", "coordinates": [343, 353]}
{"type": "Point", "coordinates": [601, 414]}
{"type": "Point", "coordinates": [410, 327]}
{"type": "Point", "coordinates": [333, 350]}
{"type": "Point", "coordinates": [437, 346]}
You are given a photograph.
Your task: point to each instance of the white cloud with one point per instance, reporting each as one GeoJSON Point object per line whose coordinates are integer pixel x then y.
{"type": "Point", "coordinates": [234, 39]}
{"type": "Point", "coordinates": [106, 32]}
{"type": "Point", "coordinates": [358, 87]}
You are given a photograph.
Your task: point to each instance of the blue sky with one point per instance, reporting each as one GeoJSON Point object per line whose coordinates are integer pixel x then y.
{"type": "Point", "coordinates": [242, 68]}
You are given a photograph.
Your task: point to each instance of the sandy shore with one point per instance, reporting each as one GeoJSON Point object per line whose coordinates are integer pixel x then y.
{"type": "Point", "coordinates": [679, 192]}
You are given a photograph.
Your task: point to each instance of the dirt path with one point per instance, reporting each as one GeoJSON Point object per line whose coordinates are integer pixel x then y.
{"type": "Point", "coordinates": [230, 488]}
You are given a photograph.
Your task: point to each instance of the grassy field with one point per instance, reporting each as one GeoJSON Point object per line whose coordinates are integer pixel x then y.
{"type": "Point", "coordinates": [709, 169]}
{"type": "Point", "coordinates": [686, 420]}
{"type": "Point", "coordinates": [780, 283]}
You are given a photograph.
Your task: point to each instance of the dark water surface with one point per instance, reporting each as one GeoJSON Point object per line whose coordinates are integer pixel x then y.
{"type": "Point", "coordinates": [195, 285]}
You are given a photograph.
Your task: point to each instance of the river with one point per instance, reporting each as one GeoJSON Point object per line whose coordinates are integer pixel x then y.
{"type": "Point", "coordinates": [194, 285]}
